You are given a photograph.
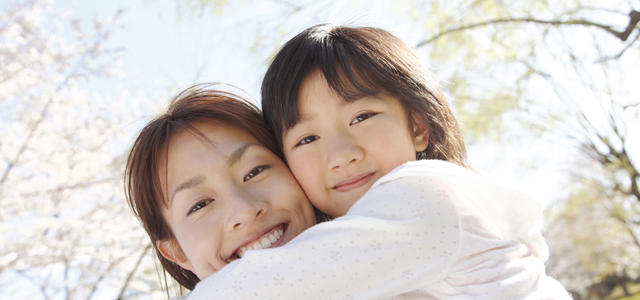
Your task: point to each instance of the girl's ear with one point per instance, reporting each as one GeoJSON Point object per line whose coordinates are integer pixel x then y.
{"type": "Point", "coordinates": [172, 251]}
{"type": "Point", "coordinates": [420, 136]}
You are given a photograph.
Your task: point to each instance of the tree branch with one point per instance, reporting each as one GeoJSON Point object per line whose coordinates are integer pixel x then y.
{"type": "Point", "coordinates": [635, 176]}
{"type": "Point", "coordinates": [625, 224]}
{"type": "Point", "coordinates": [66, 279]}
{"type": "Point", "coordinates": [614, 57]}
{"type": "Point", "coordinates": [42, 287]}
{"type": "Point", "coordinates": [106, 271]}
{"type": "Point", "coordinates": [634, 19]}
{"type": "Point", "coordinates": [135, 267]}
{"type": "Point", "coordinates": [624, 107]}
{"type": "Point", "coordinates": [43, 113]}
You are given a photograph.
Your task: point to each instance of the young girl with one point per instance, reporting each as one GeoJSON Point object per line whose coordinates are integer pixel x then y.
{"type": "Point", "coordinates": [207, 183]}
{"type": "Point", "coordinates": [351, 108]}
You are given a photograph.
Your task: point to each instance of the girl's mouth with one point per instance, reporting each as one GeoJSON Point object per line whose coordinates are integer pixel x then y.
{"type": "Point", "coordinates": [264, 242]}
{"type": "Point", "coordinates": [353, 183]}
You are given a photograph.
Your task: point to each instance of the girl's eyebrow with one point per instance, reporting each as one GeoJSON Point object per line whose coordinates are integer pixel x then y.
{"type": "Point", "coordinates": [303, 118]}
{"type": "Point", "coordinates": [188, 184]}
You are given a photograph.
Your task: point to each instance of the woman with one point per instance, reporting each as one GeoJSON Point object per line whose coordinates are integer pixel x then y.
{"type": "Point", "coordinates": [207, 182]}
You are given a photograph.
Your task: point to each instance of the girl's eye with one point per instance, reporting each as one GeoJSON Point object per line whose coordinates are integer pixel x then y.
{"type": "Point", "coordinates": [199, 205]}
{"type": "Point", "coordinates": [362, 117]}
{"type": "Point", "coordinates": [255, 172]}
{"type": "Point", "coordinates": [307, 140]}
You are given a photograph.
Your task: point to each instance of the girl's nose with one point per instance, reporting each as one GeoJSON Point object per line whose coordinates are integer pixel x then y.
{"type": "Point", "coordinates": [245, 210]}
{"type": "Point", "coordinates": [343, 151]}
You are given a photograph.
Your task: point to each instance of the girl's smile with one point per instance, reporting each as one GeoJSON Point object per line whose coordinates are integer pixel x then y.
{"type": "Point", "coordinates": [354, 182]}
{"type": "Point", "coordinates": [338, 149]}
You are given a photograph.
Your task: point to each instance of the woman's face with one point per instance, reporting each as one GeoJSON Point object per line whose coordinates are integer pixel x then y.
{"type": "Point", "coordinates": [226, 196]}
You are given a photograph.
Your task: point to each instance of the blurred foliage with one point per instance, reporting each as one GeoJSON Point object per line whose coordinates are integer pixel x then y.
{"type": "Point", "coordinates": [66, 232]}
{"type": "Point", "coordinates": [564, 71]}
{"type": "Point", "coordinates": [193, 8]}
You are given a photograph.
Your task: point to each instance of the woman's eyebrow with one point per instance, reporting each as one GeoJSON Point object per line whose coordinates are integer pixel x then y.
{"type": "Point", "coordinates": [238, 153]}
{"type": "Point", "coordinates": [188, 184]}
{"type": "Point", "coordinates": [195, 181]}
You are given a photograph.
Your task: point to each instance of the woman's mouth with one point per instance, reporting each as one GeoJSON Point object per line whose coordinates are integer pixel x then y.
{"type": "Point", "coordinates": [264, 242]}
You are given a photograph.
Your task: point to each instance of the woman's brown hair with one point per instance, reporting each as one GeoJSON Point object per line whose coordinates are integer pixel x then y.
{"type": "Point", "coordinates": [358, 62]}
{"type": "Point", "coordinates": [144, 192]}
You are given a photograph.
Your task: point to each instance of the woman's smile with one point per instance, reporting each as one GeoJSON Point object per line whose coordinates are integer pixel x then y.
{"type": "Point", "coordinates": [252, 201]}
{"type": "Point", "coordinates": [270, 239]}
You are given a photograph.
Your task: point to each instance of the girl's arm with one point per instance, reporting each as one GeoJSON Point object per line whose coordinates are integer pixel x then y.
{"type": "Point", "coordinates": [402, 235]}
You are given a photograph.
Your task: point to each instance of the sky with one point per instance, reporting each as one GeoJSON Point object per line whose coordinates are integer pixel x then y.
{"type": "Point", "coordinates": [165, 48]}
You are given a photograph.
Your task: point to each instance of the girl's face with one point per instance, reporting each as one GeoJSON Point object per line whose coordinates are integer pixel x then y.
{"type": "Point", "coordinates": [338, 149]}
{"type": "Point", "coordinates": [227, 196]}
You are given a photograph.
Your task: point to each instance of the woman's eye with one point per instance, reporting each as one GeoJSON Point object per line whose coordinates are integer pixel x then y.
{"type": "Point", "coordinates": [307, 140]}
{"type": "Point", "coordinates": [255, 172]}
{"type": "Point", "coordinates": [362, 117]}
{"type": "Point", "coordinates": [199, 205]}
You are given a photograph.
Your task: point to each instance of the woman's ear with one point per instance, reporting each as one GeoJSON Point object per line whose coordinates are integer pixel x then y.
{"type": "Point", "coordinates": [172, 251]}
{"type": "Point", "coordinates": [420, 136]}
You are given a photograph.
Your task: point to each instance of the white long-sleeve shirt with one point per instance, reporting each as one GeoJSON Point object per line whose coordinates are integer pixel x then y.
{"type": "Point", "coordinates": [427, 230]}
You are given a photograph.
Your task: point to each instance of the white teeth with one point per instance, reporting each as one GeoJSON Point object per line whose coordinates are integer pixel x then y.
{"type": "Point", "coordinates": [263, 243]}
{"type": "Point", "coordinates": [257, 246]}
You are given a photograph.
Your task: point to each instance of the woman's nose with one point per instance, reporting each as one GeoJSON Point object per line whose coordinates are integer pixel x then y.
{"type": "Point", "coordinates": [342, 151]}
{"type": "Point", "coordinates": [245, 210]}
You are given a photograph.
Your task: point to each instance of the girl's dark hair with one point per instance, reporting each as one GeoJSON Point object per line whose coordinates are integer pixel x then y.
{"type": "Point", "coordinates": [144, 192]}
{"type": "Point", "coordinates": [358, 62]}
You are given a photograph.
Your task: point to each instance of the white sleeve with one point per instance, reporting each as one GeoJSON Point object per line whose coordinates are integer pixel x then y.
{"type": "Point", "coordinates": [401, 236]}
